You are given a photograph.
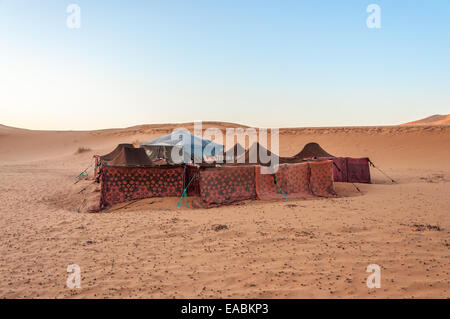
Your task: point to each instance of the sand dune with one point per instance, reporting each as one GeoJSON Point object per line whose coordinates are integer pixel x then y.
{"type": "Point", "coordinates": [295, 249]}
{"type": "Point", "coordinates": [432, 120]}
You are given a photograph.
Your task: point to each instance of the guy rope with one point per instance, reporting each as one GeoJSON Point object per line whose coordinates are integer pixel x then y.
{"type": "Point", "coordinates": [184, 194]}
{"type": "Point", "coordinates": [276, 183]}
{"type": "Point", "coordinates": [372, 164]}
{"type": "Point", "coordinates": [341, 171]}
{"type": "Point", "coordinates": [84, 173]}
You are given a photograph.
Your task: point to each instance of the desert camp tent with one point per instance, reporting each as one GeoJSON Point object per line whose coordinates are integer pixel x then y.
{"type": "Point", "coordinates": [345, 169]}
{"type": "Point", "coordinates": [237, 150]}
{"type": "Point", "coordinates": [234, 183]}
{"type": "Point", "coordinates": [130, 157]}
{"type": "Point", "coordinates": [187, 147]}
{"type": "Point", "coordinates": [260, 153]}
{"type": "Point", "coordinates": [115, 152]}
{"type": "Point", "coordinates": [312, 150]}
{"type": "Point", "coordinates": [256, 154]}
{"type": "Point", "coordinates": [232, 154]}
{"type": "Point", "coordinates": [128, 174]}
{"type": "Point", "coordinates": [125, 155]}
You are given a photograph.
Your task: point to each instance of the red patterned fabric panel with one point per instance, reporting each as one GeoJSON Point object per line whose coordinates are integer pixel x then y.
{"type": "Point", "coordinates": [121, 184]}
{"type": "Point", "coordinates": [292, 179]}
{"type": "Point", "coordinates": [266, 189]}
{"type": "Point", "coordinates": [321, 179]}
{"type": "Point", "coordinates": [192, 177]}
{"type": "Point", "coordinates": [227, 185]}
{"type": "Point", "coordinates": [358, 170]}
{"type": "Point", "coordinates": [297, 176]}
{"type": "Point", "coordinates": [339, 168]}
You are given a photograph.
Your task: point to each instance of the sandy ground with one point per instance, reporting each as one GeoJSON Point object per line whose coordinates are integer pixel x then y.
{"type": "Point", "coordinates": [432, 120]}
{"type": "Point", "coordinates": [298, 249]}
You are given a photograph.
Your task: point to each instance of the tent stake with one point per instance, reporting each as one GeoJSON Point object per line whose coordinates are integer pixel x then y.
{"type": "Point", "coordinates": [357, 188]}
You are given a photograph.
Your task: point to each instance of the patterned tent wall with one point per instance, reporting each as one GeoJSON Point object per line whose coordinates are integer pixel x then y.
{"type": "Point", "coordinates": [191, 180]}
{"type": "Point", "coordinates": [292, 179]}
{"type": "Point", "coordinates": [358, 170]}
{"type": "Point", "coordinates": [321, 178]}
{"type": "Point", "coordinates": [226, 185]}
{"type": "Point", "coordinates": [217, 186]}
{"type": "Point", "coordinates": [339, 168]}
{"type": "Point", "coordinates": [121, 184]}
{"type": "Point", "coordinates": [351, 170]}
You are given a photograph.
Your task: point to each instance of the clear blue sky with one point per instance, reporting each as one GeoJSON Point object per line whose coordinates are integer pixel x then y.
{"type": "Point", "coordinates": [263, 63]}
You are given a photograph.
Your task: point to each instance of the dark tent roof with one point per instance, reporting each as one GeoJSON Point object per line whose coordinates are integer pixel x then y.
{"type": "Point", "coordinates": [243, 157]}
{"type": "Point", "coordinates": [237, 150]}
{"type": "Point", "coordinates": [274, 157]}
{"type": "Point", "coordinates": [312, 150]}
{"type": "Point", "coordinates": [281, 160]}
{"type": "Point", "coordinates": [256, 149]}
{"type": "Point", "coordinates": [231, 155]}
{"type": "Point", "coordinates": [126, 155]}
{"type": "Point", "coordinates": [115, 152]}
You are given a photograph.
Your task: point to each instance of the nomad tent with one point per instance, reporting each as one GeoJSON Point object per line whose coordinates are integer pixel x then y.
{"type": "Point", "coordinates": [127, 173]}
{"type": "Point", "coordinates": [181, 147]}
{"type": "Point", "coordinates": [231, 154]}
{"type": "Point", "coordinates": [114, 155]}
{"type": "Point", "coordinates": [229, 184]}
{"type": "Point", "coordinates": [259, 153]}
{"type": "Point", "coordinates": [115, 152]}
{"type": "Point", "coordinates": [255, 155]}
{"type": "Point", "coordinates": [128, 157]}
{"type": "Point", "coordinates": [345, 169]}
{"type": "Point", "coordinates": [244, 179]}
{"type": "Point", "coordinates": [237, 150]}
{"type": "Point", "coordinates": [122, 155]}
{"type": "Point", "coordinates": [312, 150]}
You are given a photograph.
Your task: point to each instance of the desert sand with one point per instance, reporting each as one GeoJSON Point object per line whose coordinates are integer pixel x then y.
{"type": "Point", "coordinates": [436, 119]}
{"type": "Point", "coordinates": [297, 249]}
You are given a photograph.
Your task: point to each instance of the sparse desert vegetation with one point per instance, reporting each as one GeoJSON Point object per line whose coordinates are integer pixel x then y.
{"type": "Point", "coordinates": [82, 149]}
